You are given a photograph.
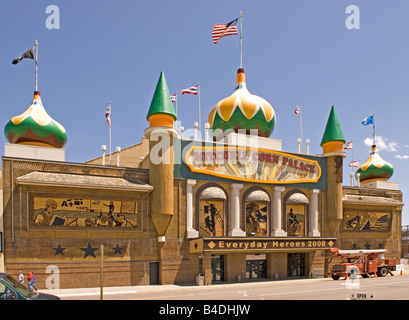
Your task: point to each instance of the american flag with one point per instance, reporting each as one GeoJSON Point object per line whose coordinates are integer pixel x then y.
{"type": "Point", "coordinates": [348, 145]}
{"type": "Point", "coordinates": [173, 97]}
{"type": "Point", "coordinates": [354, 164]}
{"type": "Point", "coordinates": [297, 110]}
{"type": "Point", "coordinates": [191, 90]}
{"type": "Point", "coordinates": [221, 30]}
{"type": "Point", "coordinates": [108, 114]}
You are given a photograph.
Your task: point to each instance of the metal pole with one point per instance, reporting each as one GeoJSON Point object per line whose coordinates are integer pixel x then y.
{"type": "Point", "coordinates": [102, 273]}
{"type": "Point", "coordinates": [176, 98]}
{"type": "Point", "coordinates": [36, 82]}
{"type": "Point", "coordinates": [373, 123]}
{"type": "Point", "coordinates": [301, 126]}
{"type": "Point", "coordinates": [353, 171]}
{"type": "Point", "coordinates": [198, 92]}
{"type": "Point", "coordinates": [110, 116]}
{"type": "Point", "coordinates": [241, 41]}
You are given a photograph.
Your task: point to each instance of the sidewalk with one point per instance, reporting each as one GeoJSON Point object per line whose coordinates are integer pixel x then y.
{"type": "Point", "coordinates": [171, 287]}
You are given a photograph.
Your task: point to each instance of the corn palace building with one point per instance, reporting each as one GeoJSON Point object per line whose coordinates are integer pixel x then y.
{"type": "Point", "coordinates": [231, 207]}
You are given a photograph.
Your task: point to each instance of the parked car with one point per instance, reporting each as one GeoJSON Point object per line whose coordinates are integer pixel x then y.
{"type": "Point", "coordinates": [11, 289]}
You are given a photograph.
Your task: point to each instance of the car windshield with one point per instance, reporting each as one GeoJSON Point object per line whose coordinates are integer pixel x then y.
{"type": "Point", "coordinates": [18, 286]}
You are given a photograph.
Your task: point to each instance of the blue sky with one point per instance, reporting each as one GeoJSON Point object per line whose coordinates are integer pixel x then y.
{"type": "Point", "coordinates": [294, 52]}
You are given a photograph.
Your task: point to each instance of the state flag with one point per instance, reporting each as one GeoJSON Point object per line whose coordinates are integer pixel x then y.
{"type": "Point", "coordinates": [348, 145]}
{"type": "Point", "coordinates": [367, 121]}
{"type": "Point", "coordinates": [108, 114]}
{"type": "Point", "coordinates": [191, 90]}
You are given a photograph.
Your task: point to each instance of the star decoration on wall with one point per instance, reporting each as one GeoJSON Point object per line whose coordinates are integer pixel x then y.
{"type": "Point", "coordinates": [59, 250]}
{"type": "Point", "coordinates": [367, 246]}
{"type": "Point", "coordinates": [89, 251]}
{"type": "Point", "coordinates": [117, 249]}
{"type": "Point", "coordinates": [354, 246]}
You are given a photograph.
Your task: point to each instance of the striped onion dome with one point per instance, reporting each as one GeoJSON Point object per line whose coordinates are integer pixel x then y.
{"type": "Point", "coordinates": [375, 168]}
{"type": "Point", "coordinates": [243, 110]}
{"type": "Point", "coordinates": [36, 127]}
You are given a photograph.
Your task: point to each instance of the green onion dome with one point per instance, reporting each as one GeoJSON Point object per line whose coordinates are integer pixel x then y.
{"type": "Point", "coordinates": [375, 168]}
{"type": "Point", "coordinates": [36, 127]}
{"type": "Point", "coordinates": [243, 110]}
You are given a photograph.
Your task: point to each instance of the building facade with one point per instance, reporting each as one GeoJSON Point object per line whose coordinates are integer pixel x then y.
{"type": "Point", "coordinates": [230, 208]}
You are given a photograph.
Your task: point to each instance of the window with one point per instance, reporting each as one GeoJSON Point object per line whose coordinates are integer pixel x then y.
{"type": "Point", "coordinates": [6, 293]}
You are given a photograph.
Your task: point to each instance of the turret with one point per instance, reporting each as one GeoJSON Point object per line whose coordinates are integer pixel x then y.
{"type": "Point", "coordinates": [332, 144]}
{"type": "Point", "coordinates": [161, 117]}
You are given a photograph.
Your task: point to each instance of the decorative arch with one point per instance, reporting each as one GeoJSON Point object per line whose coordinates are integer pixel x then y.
{"type": "Point", "coordinates": [296, 213]}
{"type": "Point", "coordinates": [211, 207]}
{"type": "Point", "coordinates": [256, 212]}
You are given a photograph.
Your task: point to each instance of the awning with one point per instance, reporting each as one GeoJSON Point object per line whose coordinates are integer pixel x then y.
{"type": "Point", "coordinates": [82, 181]}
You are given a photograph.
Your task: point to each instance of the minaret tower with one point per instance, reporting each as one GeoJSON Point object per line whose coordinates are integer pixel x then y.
{"type": "Point", "coordinates": [161, 117]}
{"type": "Point", "coordinates": [332, 144]}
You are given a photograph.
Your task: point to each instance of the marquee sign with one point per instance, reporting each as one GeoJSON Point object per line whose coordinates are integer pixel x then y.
{"type": "Point", "coordinates": [252, 165]}
{"type": "Point", "coordinates": [214, 245]}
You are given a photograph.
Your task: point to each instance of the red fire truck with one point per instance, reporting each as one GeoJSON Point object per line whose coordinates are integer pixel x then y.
{"type": "Point", "coordinates": [366, 263]}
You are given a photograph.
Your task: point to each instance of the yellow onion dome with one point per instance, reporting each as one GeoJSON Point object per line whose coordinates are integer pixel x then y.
{"type": "Point", "coordinates": [243, 110]}
{"type": "Point", "coordinates": [375, 168]}
{"type": "Point", "coordinates": [36, 127]}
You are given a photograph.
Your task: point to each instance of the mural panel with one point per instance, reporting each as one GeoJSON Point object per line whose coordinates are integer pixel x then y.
{"type": "Point", "coordinates": [358, 221]}
{"type": "Point", "coordinates": [295, 220]}
{"type": "Point", "coordinates": [83, 212]}
{"type": "Point", "coordinates": [211, 217]}
{"type": "Point", "coordinates": [256, 219]}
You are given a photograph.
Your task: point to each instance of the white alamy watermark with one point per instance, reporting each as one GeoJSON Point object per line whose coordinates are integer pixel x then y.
{"type": "Point", "coordinates": [53, 20]}
{"type": "Point", "coordinates": [353, 20]}
{"type": "Point", "coordinates": [53, 281]}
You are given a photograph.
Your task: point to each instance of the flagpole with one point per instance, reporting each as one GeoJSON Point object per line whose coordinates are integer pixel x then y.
{"type": "Point", "coordinates": [373, 124]}
{"type": "Point", "coordinates": [110, 117]}
{"type": "Point", "coordinates": [241, 41]}
{"type": "Point", "coordinates": [198, 93]}
{"type": "Point", "coordinates": [352, 155]}
{"type": "Point", "coordinates": [301, 127]}
{"type": "Point", "coordinates": [36, 82]}
{"type": "Point", "coordinates": [176, 98]}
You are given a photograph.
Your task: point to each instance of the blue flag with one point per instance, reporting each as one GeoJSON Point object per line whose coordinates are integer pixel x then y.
{"type": "Point", "coordinates": [367, 121]}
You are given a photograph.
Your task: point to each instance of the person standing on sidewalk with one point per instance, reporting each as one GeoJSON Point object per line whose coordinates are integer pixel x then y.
{"type": "Point", "coordinates": [21, 277]}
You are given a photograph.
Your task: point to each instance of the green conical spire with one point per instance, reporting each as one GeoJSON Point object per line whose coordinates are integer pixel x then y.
{"type": "Point", "coordinates": [333, 131]}
{"type": "Point", "coordinates": [161, 101]}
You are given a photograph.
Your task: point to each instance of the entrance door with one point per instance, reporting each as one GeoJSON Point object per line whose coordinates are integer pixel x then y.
{"type": "Point", "coordinates": [256, 269]}
{"type": "Point", "coordinates": [218, 268]}
{"type": "Point", "coordinates": [153, 273]}
{"type": "Point", "coordinates": [296, 264]}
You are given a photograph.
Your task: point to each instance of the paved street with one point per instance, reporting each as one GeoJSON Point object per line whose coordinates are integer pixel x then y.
{"type": "Point", "coordinates": [387, 288]}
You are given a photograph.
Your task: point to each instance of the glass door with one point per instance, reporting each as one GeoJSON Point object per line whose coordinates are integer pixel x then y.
{"type": "Point", "coordinates": [296, 264]}
{"type": "Point", "coordinates": [256, 269]}
{"type": "Point", "coordinates": [218, 268]}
